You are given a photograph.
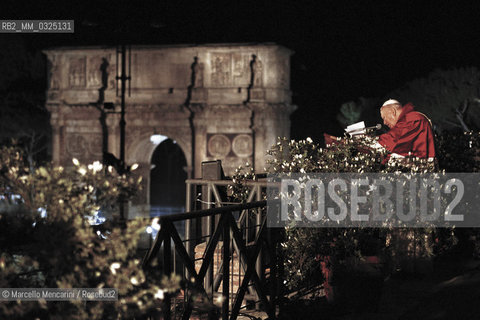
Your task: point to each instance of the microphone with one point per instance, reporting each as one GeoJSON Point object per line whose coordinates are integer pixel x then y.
{"type": "Point", "coordinates": [378, 126]}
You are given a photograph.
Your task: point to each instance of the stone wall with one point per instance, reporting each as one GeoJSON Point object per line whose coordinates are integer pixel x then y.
{"type": "Point", "coordinates": [227, 102]}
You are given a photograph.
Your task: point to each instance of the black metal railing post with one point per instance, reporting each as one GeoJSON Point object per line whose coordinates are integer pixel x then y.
{"type": "Point", "coordinates": [258, 222]}
{"type": "Point", "coordinates": [226, 267]}
{"type": "Point", "coordinates": [167, 270]}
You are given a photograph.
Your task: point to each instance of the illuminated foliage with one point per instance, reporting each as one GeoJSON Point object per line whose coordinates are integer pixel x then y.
{"type": "Point", "coordinates": [48, 242]}
{"type": "Point", "coordinates": [304, 248]}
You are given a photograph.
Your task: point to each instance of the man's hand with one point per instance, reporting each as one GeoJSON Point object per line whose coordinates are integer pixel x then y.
{"type": "Point", "coordinates": [329, 139]}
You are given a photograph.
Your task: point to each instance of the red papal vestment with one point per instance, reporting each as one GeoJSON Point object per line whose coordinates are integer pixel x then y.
{"type": "Point", "coordinates": [411, 135]}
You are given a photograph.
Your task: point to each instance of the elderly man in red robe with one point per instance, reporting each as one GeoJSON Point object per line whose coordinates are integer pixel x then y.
{"type": "Point", "coordinates": [410, 131]}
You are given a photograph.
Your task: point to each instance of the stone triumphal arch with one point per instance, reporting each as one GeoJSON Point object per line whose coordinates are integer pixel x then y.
{"type": "Point", "coordinates": [227, 102]}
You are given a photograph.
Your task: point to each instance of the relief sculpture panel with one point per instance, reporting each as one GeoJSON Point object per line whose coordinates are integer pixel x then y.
{"type": "Point", "coordinates": [234, 149]}
{"type": "Point", "coordinates": [229, 144]}
{"type": "Point", "coordinates": [241, 70]}
{"type": "Point", "coordinates": [221, 69]}
{"type": "Point", "coordinates": [76, 72]}
{"type": "Point", "coordinates": [111, 72]}
{"type": "Point", "coordinates": [219, 145]}
{"type": "Point", "coordinates": [86, 147]}
{"type": "Point", "coordinates": [76, 145]}
{"type": "Point", "coordinates": [94, 73]}
{"type": "Point", "coordinates": [242, 145]}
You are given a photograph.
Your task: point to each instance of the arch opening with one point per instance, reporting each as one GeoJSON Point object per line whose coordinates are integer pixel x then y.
{"type": "Point", "coordinates": [167, 179]}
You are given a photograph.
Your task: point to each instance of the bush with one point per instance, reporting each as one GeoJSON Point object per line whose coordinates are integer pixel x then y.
{"type": "Point", "coordinates": [48, 242]}
{"type": "Point", "coordinates": [305, 247]}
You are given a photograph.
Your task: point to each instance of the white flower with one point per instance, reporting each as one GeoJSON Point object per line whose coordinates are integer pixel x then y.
{"type": "Point", "coordinates": [159, 294]}
{"type": "Point", "coordinates": [134, 167]}
{"type": "Point", "coordinates": [114, 266]}
{"type": "Point", "coordinates": [95, 167]}
{"type": "Point", "coordinates": [134, 281]}
{"type": "Point", "coordinates": [76, 162]}
{"type": "Point", "coordinates": [309, 140]}
{"type": "Point", "coordinates": [82, 171]}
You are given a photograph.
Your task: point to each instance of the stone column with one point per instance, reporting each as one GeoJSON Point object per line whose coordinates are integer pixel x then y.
{"type": "Point", "coordinates": [113, 134]}
{"type": "Point", "coordinates": [200, 149]}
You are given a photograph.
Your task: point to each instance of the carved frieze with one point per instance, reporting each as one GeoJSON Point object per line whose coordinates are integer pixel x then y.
{"type": "Point", "coordinates": [94, 72]}
{"type": "Point", "coordinates": [111, 72]}
{"type": "Point", "coordinates": [241, 72]}
{"type": "Point", "coordinates": [76, 72]}
{"type": "Point", "coordinates": [221, 69]}
{"type": "Point", "coordinates": [236, 69]}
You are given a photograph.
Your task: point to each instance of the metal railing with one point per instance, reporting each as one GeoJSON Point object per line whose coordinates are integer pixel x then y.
{"type": "Point", "coordinates": [228, 228]}
{"type": "Point", "coordinates": [211, 192]}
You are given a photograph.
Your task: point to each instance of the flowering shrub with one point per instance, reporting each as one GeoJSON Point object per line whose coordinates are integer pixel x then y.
{"type": "Point", "coordinates": [48, 242]}
{"type": "Point", "coordinates": [305, 247]}
{"type": "Point", "coordinates": [238, 189]}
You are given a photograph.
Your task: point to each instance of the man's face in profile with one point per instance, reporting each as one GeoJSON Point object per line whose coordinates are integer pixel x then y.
{"type": "Point", "coordinates": [389, 116]}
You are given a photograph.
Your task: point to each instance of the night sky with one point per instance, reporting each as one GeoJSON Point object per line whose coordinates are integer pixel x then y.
{"type": "Point", "coordinates": [343, 49]}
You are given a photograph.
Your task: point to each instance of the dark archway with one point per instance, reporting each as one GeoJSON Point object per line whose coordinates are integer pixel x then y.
{"type": "Point", "coordinates": [167, 179]}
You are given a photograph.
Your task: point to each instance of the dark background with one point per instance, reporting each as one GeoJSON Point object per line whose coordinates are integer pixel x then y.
{"type": "Point", "coordinates": [343, 49]}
